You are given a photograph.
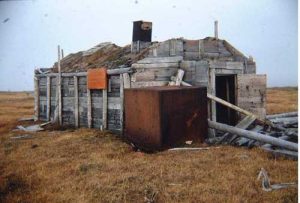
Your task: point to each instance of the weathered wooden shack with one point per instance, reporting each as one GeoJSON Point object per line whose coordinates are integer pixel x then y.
{"type": "Point", "coordinates": [210, 62]}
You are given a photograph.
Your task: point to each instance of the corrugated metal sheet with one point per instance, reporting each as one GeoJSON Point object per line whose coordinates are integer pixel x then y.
{"type": "Point", "coordinates": [162, 117]}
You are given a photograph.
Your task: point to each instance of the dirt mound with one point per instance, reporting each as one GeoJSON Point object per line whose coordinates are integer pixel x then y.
{"type": "Point", "coordinates": [105, 54]}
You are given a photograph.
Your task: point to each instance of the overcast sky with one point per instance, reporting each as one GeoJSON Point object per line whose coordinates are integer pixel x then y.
{"type": "Point", "coordinates": [31, 30]}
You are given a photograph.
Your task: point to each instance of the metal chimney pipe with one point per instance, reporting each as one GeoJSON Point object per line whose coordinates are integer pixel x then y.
{"type": "Point", "coordinates": [216, 30]}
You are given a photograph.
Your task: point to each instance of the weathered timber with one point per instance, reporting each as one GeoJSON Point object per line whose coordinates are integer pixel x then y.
{"type": "Point", "coordinates": [59, 88]}
{"type": "Point", "coordinates": [126, 79]}
{"type": "Point", "coordinates": [76, 103]}
{"type": "Point", "coordinates": [253, 135]}
{"type": "Point", "coordinates": [150, 60]}
{"type": "Point", "coordinates": [155, 65]}
{"type": "Point", "coordinates": [89, 108]}
{"type": "Point", "coordinates": [283, 115]}
{"type": "Point", "coordinates": [36, 98]}
{"type": "Point", "coordinates": [48, 97]}
{"type": "Point", "coordinates": [104, 109]}
{"type": "Point", "coordinates": [122, 85]}
{"type": "Point", "coordinates": [115, 71]}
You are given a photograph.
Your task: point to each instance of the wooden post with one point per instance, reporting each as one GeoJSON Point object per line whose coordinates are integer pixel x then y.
{"type": "Point", "coordinates": [36, 98]}
{"type": "Point", "coordinates": [104, 109]}
{"type": "Point", "coordinates": [89, 107]}
{"type": "Point", "coordinates": [76, 111]}
{"type": "Point", "coordinates": [212, 83]}
{"type": "Point", "coordinates": [122, 84]}
{"type": "Point", "coordinates": [126, 79]}
{"type": "Point", "coordinates": [216, 30]}
{"type": "Point", "coordinates": [59, 88]}
{"type": "Point", "coordinates": [48, 97]}
{"type": "Point", "coordinates": [62, 53]}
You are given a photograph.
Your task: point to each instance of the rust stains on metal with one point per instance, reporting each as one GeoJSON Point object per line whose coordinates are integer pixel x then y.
{"type": "Point", "coordinates": [162, 117]}
{"type": "Point", "coordinates": [97, 78]}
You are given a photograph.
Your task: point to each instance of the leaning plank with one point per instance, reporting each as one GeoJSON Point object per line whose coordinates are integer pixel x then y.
{"type": "Point", "coordinates": [283, 115]}
{"type": "Point", "coordinates": [48, 97]}
{"type": "Point", "coordinates": [281, 137]}
{"type": "Point", "coordinates": [253, 135]}
{"type": "Point", "coordinates": [89, 108]}
{"type": "Point", "coordinates": [104, 109]}
{"type": "Point", "coordinates": [76, 103]}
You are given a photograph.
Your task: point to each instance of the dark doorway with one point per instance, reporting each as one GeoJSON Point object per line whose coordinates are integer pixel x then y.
{"type": "Point", "coordinates": [225, 89]}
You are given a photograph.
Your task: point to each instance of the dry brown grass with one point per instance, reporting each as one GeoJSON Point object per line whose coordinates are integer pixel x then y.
{"type": "Point", "coordinates": [282, 100]}
{"type": "Point", "coordinates": [86, 165]}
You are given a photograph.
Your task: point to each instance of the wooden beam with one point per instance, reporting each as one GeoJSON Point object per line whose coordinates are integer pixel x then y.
{"type": "Point", "coordinates": [253, 135]}
{"type": "Point", "coordinates": [104, 109]}
{"type": "Point", "coordinates": [212, 90]}
{"type": "Point", "coordinates": [283, 115]}
{"type": "Point", "coordinates": [48, 97]}
{"type": "Point", "coordinates": [126, 79]}
{"type": "Point", "coordinates": [89, 108]}
{"type": "Point", "coordinates": [36, 98]}
{"type": "Point", "coordinates": [115, 71]}
{"type": "Point", "coordinates": [59, 88]}
{"type": "Point", "coordinates": [122, 84]}
{"type": "Point", "coordinates": [76, 103]}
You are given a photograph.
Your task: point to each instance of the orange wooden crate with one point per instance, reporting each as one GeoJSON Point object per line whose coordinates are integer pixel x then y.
{"type": "Point", "coordinates": [97, 78]}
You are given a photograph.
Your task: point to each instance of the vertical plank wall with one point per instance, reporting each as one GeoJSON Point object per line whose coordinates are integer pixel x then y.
{"type": "Point", "coordinates": [69, 102]}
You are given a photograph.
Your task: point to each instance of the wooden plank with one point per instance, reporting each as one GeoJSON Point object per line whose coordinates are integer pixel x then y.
{"type": "Point", "coordinates": [149, 60]}
{"type": "Point", "coordinates": [149, 84]}
{"type": "Point", "coordinates": [122, 102]}
{"type": "Point", "coordinates": [89, 108]}
{"type": "Point", "coordinates": [179, 77]}
{"type": "Point", "coordinates": [36, 98]}
{"type": "Point", "coordinates": [76, 102]}
{"type": "Point", "coordinates": [59, 88]}
{"type": "Point", "coordinates": [104, 109]}
{"type": "Point", "coordinates": [126, 79]}
{"type": "Point", "coordinates": [115, 71]}
{"type": "Point", "coordinates": [48, 97]}
{"type": "Point", "coordinates": [155, 65]}
{"type": "Point", "coordinates": [212, 88]}
{"type": "Point", "coordinates": [172, 47]}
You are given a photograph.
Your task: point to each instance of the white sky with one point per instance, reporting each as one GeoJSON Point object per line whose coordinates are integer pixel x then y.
{"type": "Point", "coordinates": [31, 30]}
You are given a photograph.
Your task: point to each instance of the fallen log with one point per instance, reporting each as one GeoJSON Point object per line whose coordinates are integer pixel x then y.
{"type": "Point", "coordinates": [253, 135]}
{"type": "Point", "coordinates": [283, 115]}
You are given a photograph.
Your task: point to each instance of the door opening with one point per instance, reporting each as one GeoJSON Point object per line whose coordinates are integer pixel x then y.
{"type": "Point", "coordinates": [225, 89]}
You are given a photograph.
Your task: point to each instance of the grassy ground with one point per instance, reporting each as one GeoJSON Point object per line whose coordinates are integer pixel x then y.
{"type": "Point", "coordinates": [89, 166]}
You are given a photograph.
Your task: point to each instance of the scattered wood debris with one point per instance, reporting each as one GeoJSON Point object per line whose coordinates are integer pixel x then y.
{"type": "Point", "coordinates": [266, 185]}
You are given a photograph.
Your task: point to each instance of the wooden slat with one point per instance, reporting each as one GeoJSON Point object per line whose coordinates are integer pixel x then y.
{"type": "Point", "coordinates": [122, 82]}
{"type": "Point", "coordinates": [150, 60]}
{"type": "Point", "coordinates": [36, 98]}
{"type": "Point", "coordinates": [104, 109]}
{"type": "Point", "coordinates": [48, 97]}
{"type": "Point", "coordinates": [59, 89]}
{"type": "Point", "coordinates": [76, 103]}
{"type": "Point", "coordinates": [89, 108]}
{"type": "Point", "coordinates": [126, 79]}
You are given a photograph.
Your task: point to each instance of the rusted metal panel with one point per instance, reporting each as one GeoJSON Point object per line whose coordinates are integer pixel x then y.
{"type": "Point", "coordinates": [97, 78]}
{"type": "Point", "coordinates": [162, 117]}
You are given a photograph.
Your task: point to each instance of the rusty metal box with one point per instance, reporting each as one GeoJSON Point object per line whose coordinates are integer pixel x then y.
{"type": "Point", "coordinates": [163, 117]}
